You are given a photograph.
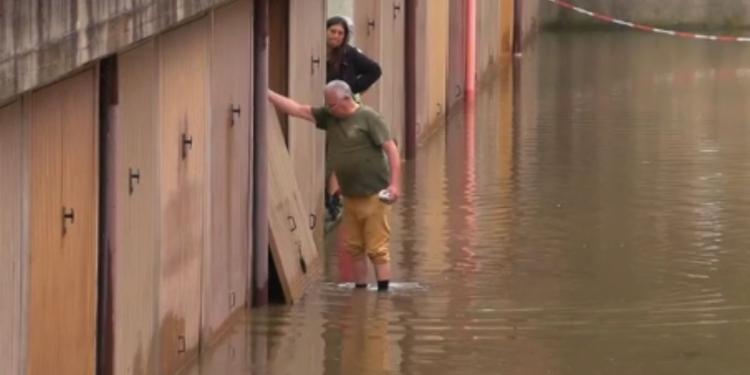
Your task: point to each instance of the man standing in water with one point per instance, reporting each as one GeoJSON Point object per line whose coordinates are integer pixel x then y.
{"type": "Point", "coordinates": [366, 161]}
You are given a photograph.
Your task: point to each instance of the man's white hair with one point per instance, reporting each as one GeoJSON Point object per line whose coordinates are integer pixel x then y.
{"type": "Point", "coordinates": [340, 88]}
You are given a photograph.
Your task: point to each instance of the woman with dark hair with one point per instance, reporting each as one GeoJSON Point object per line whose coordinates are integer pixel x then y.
{"type": "Point", "coordinates": [346, 63]}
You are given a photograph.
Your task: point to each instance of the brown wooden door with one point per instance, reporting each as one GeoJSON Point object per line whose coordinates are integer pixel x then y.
{"type": "Point", "coordinates": [230, 150]}
{"type": "Point", "coordinates": [488, 37]}
{"type": "Point", "coordinates": [278, 54]}
{"type": "Point", "coordinates": [62, 306]}
{"type": "Point", "coordinates": [306, 81]}
{"type": "Point", "coordinates": [457, 56]}
{"type": "Point", "coordinates": [506, 26]}
{"type": "Point", "coordinates": [183, 77]}
{"type": "Point", "coordinates": [301, 66]}
{"type": "Point", "coordinates": [318, 81]}
{"type": "Point", "coordinates": [398, 85]}
{"type": "Point", "coordinates": [11, 241]}
{"type": "Point", "coordinates": [437, 58]}
{"type": "Point", "coordinates": [369, 27]}
{"type": "Point", "coordinates": [136, 250]}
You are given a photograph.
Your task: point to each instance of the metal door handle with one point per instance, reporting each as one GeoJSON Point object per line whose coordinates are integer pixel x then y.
{"type": "Point", "coordinates": [68, 215]}
{"type": "Point", "coordinates": [292, 223]}
{"type": "Point", "coordinates": [187, 144]}
{"type": "Point", "coordinates": [370, 25]}
{"type": "Point", "coordinates": [396, 8]}
{"type": "Point", "coordinates": [314, 61]}
{"type": "Point", "coordinates": [236, 112]}
{"type": "Point", "coordinates": [313, 221]}
{"type": "Point", "coordinates": [181, 345]}
{"type": "Point", "coordinates": [135, 175]}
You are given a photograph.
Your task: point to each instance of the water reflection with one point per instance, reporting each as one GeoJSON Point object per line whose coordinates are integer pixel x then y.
{"type": "Point", "coordinates": [588, 216]}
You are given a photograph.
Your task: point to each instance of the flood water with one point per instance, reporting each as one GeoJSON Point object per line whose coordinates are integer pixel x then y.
{"type": "Point", "coordinates": [591, 218]}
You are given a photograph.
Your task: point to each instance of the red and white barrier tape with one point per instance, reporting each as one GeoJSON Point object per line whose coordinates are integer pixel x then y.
{"type": "Point", "coordinates": [682, 34]}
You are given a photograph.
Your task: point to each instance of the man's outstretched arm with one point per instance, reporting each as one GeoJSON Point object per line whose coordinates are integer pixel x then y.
{"type": "Point", "coordinates": [291, 107]}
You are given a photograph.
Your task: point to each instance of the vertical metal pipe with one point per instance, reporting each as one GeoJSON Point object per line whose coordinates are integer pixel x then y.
{"type": "Point", "coordinates": [410, 78]}
{"type": "Point", "coordinates": [471, 48]}
{"type": "Point", "coordinates": [260, 155]}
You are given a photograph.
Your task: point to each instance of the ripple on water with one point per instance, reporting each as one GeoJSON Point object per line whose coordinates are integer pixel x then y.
{"type": "Point", "coordinates": [597, 225]}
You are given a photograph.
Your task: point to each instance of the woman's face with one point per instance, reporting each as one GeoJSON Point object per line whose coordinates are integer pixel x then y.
{"type": "Point", "coordinates": [335, 35]}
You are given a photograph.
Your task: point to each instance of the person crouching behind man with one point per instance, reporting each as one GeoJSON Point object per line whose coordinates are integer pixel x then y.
{"type": "Point", "coordinates": [366, 161]}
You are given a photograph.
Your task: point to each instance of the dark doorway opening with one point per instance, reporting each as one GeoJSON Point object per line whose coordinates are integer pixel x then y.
{"type": "Point", "coordinates": [107, 100]}
{"type": "Point", "coordinates": [278, 54]}
{"type": "Point", "coordinates": [517, 29]}
{"type": "Point", "coordinates": [278, 81]}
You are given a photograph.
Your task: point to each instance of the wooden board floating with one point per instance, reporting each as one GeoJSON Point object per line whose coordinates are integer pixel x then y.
{"type": "Point", "coordinates": [292, 244]}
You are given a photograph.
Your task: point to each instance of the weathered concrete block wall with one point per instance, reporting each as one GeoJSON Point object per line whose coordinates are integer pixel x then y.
{"type": "Point", "coordinates": [42, 40]}
{"type": "Point", "coordinates": [665, 13]}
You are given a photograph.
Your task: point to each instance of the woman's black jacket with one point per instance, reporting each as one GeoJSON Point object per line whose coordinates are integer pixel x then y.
{"type": "Point", "coordinates": [357, 70]}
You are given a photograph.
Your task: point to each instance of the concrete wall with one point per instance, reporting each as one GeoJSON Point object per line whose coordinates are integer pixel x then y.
{"type": "Point", "coordinates": [42, 40]}
{"type": "Point", "coordinates": [666, 13]}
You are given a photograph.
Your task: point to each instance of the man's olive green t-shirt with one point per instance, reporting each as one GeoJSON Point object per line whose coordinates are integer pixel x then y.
{"type": "Point", "coordinates": [355, 150]}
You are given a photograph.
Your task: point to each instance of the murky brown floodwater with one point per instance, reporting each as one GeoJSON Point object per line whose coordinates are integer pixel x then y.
{"type": "Point", "coordinates": [602, 229]}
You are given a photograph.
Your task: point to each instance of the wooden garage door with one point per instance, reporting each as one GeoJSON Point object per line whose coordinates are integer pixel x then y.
{"type": "Point", "coordinates": [454, 90]}
{"type": "Point", "coordinates": [432, 62]}
{"type": "Point", "coordinates": [370, 27]}
{"type": "Point", "coordinates": [62, 301]}
{"type": "Point", "coordinates": [136, 251]}
{"type": "Point", "coordinates": [398, 85]}
{"type": "Point", "coordinates": [307, 58]}
{"type": "Point", "coordinates": [11, 241]}
{"type": "Point", "coordinates": [506, 26]}
{"type": "Point", "coordinates": [318, 80]}
{"type": "Point", "coordinates": [488, 35]}
{"type": "Point", "coordinates": [380, 35]}
{"type": "Point", "coordinates": [183, 78]}
{"type": "Point", "coordinates": [230, 151]}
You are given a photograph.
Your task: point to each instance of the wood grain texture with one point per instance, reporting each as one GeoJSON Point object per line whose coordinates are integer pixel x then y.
{"type": "Point", "coordinates": [369, 26]}
{"type": "Point", "coordinates": [398, 87]}
{"type": "Point", "coordinates": [137, 200]}
{"type": "Point", "coordinates": [380, 28]}
{"type": "Point", "coordinates": [12, 195]}
{"type": "Point", "coordinates": [292, 245]}
{"type": "Point", "coordinates": [183, 91]}
{"type": "Point", "coordinates": [432, 61]}
{"type": "Point", "coordinates": [62, 307]}
{"type": "Point", "coordinates": [488, 35]}
{"type": "Point", "coordinates": [230, 163]}
{"type": "Point", "coordinates": [307, 56]}
{"type": "Point", "coordinates": [457, 57]}
{"type": "Point", "coordinates": [506, 27]}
